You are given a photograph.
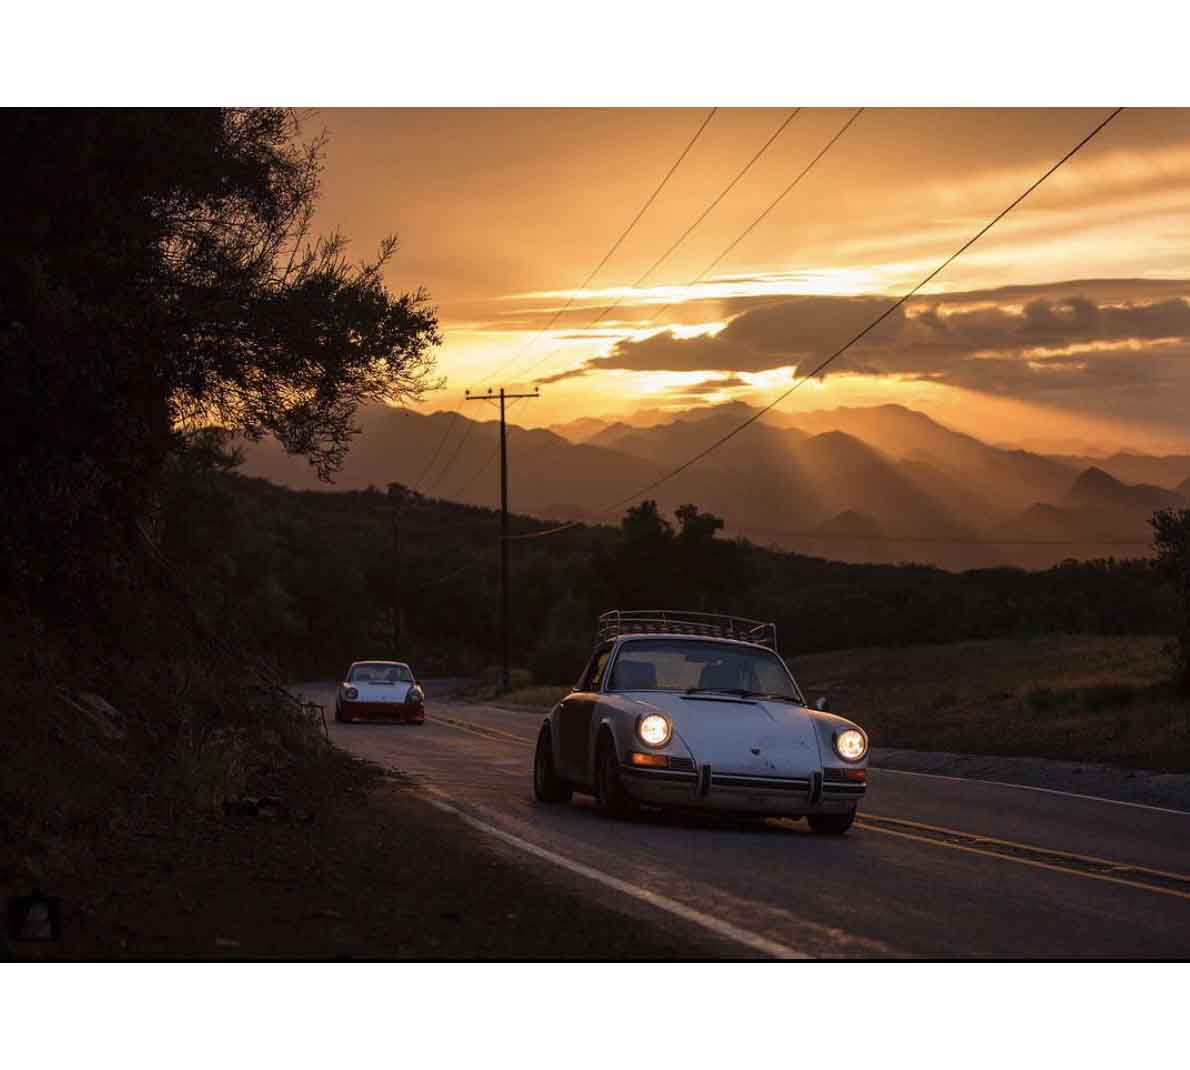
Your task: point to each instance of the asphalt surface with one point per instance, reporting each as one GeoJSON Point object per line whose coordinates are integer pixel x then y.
{"type": "Point", "coordinates": [933, 868]}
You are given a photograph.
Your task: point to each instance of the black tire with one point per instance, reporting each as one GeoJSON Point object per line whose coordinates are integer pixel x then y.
{"type": "Point", "coordinates": [612, 797]}
{"type": "Point", "coordinates": [832, 824]}
{"type": "Point", "coordinates": [547, 785]}
{"type": "Point", "coordinates": [339, 718]}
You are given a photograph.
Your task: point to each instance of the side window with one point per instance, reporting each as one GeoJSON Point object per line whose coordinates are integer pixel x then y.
{"type": "Point", "coordinates": [593, 677]}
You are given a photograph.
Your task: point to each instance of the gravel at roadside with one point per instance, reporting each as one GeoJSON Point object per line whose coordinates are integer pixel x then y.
{"type": "Point", "coordinates": [1171, 790]}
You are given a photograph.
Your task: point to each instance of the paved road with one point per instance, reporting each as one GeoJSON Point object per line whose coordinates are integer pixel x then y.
{"type": "Point", "coordinates": [934, 868]}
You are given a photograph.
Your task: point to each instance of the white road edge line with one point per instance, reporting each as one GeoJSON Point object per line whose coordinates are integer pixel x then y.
{"type": "Point", "coordinates": [977, 780]}
{"type": "Point", "coordinates": [751, 940]}
{"type": "Point", "coordinates": [1031, 787]}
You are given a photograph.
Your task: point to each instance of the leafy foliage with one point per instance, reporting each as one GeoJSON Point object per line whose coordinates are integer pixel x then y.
{"type": "Point", "coordinates": [313, 572]}
{"type": "Point", "coordinates": [160, 275]}
{"type": "Point", "coordinates": [1171, 540]}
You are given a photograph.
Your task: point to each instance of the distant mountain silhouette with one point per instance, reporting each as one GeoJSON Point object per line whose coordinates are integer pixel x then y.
{"type": "Point", "coordinates": [1010, 479]}
{"type": "Point", "coordinates": [1167, 471]}
{"type": "Point", "coordinates": [1095, 489]}
{"type": "Point", "coordinates": [885, 482]}
{"type": "Point", "coordinates": [851, 524]}
{"type": "Point", "coordinates": [581, 430]}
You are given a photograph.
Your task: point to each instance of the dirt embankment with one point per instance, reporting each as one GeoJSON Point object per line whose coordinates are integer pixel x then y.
{"type": "Point", "coordinates": [342, 862]}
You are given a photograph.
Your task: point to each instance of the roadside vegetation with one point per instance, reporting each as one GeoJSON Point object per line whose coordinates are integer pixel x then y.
{"type": "Point", "coordinates": [1069, 697]}
{"type": "Point", "coordinates": [160, 276]}
{"type": "Point", "coordinates": [162, 300]}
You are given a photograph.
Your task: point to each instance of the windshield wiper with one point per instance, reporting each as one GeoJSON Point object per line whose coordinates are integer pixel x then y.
{"type": "Point", "coordinates": [741, 692]}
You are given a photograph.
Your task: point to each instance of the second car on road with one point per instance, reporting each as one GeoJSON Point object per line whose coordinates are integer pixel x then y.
{"type": "Point", "coordinates": [380, 690]}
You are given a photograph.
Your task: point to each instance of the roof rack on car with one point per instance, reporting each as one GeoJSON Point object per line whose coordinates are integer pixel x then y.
{"type": "Point", "coordinates": [681, 622]}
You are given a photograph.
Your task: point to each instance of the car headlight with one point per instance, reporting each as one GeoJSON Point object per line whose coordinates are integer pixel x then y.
{"type": "Point", "coordinates": [654, 729]}
{"type": "Point", "coordinates": [414, 696]}
{"type": "Point", "coordinates": [351, 693]}
{"type": "Point", "coordinates": [851, 744]}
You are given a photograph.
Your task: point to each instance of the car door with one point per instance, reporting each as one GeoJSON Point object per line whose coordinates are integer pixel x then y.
{"type": "Point", "coordinates": [576, 715]}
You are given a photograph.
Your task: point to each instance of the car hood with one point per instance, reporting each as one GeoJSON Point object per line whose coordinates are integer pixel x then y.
{"type": "Point", "coordinates": [373, 692]}
{"type": "Point", "coordinates": [753, 737]}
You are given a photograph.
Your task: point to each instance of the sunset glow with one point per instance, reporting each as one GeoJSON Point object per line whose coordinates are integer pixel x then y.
{"type": "Point", "coordinates": [502, 261]}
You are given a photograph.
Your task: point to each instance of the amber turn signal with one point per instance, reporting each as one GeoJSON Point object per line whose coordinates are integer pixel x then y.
{"type": "Point", "coordinates": [636, 758]}
{"type": "Point", "coordinates": [856, 774]}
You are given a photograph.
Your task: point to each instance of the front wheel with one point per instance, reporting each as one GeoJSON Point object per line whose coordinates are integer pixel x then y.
{"type": "Point", "coordinates": [832, 824]}
{"type": "Point", "coordinates": [613, 797]}
{"type": "Point", "coordinates": [547, 785]}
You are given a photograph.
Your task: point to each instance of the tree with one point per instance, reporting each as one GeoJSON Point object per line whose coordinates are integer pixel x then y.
{"type": "Point", "coordinates": [160, 274]}
{"type": "Point", "coordinates": [642, 565]}
{"type": "Point", "coordinates": [1171, 540]}
{"type": "Point", "coordinates": [702, 560]}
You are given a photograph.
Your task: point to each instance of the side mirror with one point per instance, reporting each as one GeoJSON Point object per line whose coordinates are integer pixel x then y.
{"type": "Point", "coordinates": [822, 704]}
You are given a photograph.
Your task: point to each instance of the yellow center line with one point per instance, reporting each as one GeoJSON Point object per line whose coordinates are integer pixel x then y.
{"type": "Point", "coordinates": [1027, 862]}
{"type": "Point", "coordinates": [484, 732]}
{"type": "Point", "coordinates": [1111, 863]}
{"type": "Point", "coordinates": [479, 729]}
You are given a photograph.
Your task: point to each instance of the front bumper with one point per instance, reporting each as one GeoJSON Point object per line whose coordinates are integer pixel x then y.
{"type": "Point", "coordinates": [823, 792]}
{"type": "Point", "coordinates": [401, 712]}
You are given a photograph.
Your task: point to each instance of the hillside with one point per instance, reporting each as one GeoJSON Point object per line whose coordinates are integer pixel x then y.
{"type": "Point", "coordinates": [935, 494]}
{"type": "Point", "coordinates": [311, 575]}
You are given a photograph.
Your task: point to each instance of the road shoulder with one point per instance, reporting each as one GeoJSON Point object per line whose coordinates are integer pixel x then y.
{"type": "Point", "coordinates": [1136, 786]}
{"type": "Point", "coordinates": [369, 871]}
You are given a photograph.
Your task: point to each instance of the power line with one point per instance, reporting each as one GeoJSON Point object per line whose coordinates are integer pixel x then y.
{"type": "Point", "coordinates": [942, 540]}
{"type": "Point", "coordinates": [586, 282]}
{"type": "Point", "coordinates": [608, 255]}
{"type": "Point", "coordinates": [504, 581]}
{"type": "Point", "coordinates": [685, 234]}
{"type": "Point", "coordinates": [707, 211]}
{"type": "Point", "coordinates": [441, 442]}
{"type": "Point", "coordinates": [723, 439]}
{"type": "Point", "coordinates": [463, 488]}
{"type": "Point", "coordinates": [755, 222]}
{"type": "Point", "coordinates": [453, 457]}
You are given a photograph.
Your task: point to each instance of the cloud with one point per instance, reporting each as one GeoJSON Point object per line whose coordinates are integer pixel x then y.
{"type": "Point", "coordinates": [1101, 334]}
{"type": "Point", "coordinates": [705, 388]}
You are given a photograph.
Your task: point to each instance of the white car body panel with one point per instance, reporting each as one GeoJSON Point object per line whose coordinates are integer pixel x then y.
{"type": "Point", "coordinates": [382, 692]}
{"type": "Point", "coordinates": [763, 738]}
{"type": "Point", "coordinates": [740, 755]}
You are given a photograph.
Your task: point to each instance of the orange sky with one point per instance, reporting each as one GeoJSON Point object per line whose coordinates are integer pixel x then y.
{"type": "Point", "coordinates": [502, 213]}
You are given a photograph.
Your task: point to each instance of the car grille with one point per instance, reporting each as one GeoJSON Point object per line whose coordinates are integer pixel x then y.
{"type": "Point", "coordinates": [682, 763]}
{"type": "Point", "coordinates": [760, 783]}
{"type": "Point", "coordinates": [835, 782]}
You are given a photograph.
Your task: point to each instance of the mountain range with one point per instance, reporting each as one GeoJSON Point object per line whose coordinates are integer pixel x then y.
{"type": "Point", "coordinates": [880, 483]}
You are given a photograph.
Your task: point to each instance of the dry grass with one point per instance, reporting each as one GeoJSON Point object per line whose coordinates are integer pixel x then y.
{"type": "Point", "coordinates": [1085, 698]}
{"type": "Point", "coordinates": [1080, 698]}
{"type": "Point", "coordinates": [543, 695]}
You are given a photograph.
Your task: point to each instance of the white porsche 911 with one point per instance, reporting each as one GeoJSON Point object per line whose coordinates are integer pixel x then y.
{"type": "Point", "coordinates": [380, 690]}
{"type": "Point", "coordinates": [698, 711]}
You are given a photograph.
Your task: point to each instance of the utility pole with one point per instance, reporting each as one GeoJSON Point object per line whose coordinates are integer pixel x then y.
{"type": "Point", "coordinates": [504, 614]}
{"type": "Point", "coordinates": [397, 584]}
{"type": "Point", "coordinates": [396, 494]}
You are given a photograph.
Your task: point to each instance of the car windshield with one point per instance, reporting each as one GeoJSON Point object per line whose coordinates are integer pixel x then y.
{"type": "Point", "coordinates": [696, 665]}
{"type": "Point", "coordinates": [378, 672]}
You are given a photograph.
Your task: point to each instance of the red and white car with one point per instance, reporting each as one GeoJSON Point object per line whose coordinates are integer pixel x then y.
{"type": "Point", "coordinates": [380, 691]}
